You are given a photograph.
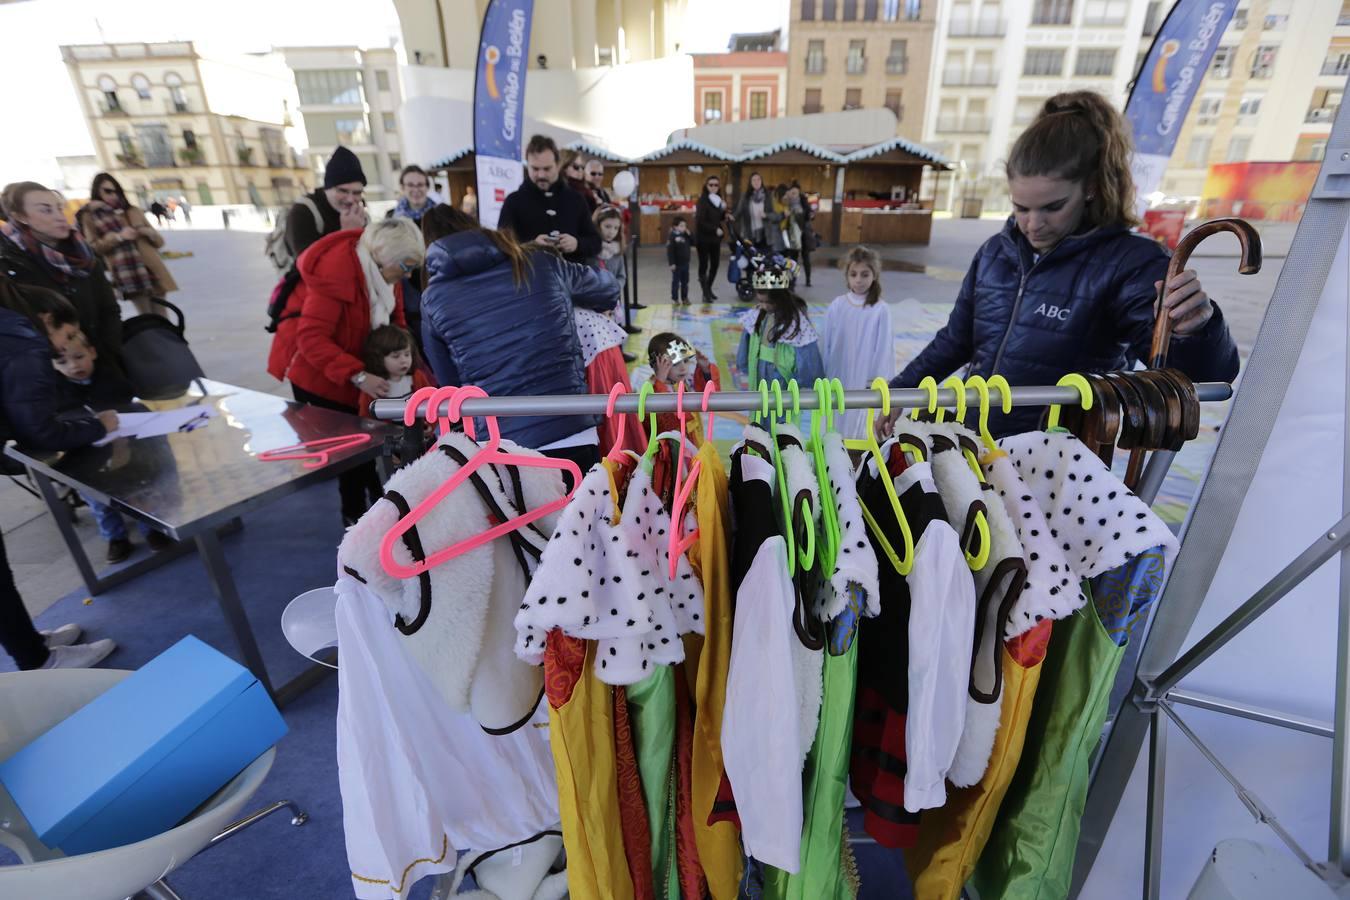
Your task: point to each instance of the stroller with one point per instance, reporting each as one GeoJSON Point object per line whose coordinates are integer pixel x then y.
{"type": "Point", "coordinates": [159, 364]}
{"type": "Point", "coordinates": [745, 258]}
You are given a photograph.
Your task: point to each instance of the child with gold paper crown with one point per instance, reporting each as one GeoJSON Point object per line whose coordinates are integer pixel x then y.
{"type": "Point", "coordinates": [674, 360]}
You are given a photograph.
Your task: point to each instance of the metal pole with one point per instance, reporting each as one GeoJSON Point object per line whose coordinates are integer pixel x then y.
{"type": "Point", "coordinates": [1248, 711]}
{"type": "Point", "coordinates": [746, 401]}
{"type": "Point", "coordinates": [1153, 822]}
{"type": "Point", "coordinates": [1255, 805]}
{"type": "Point", "coordinates": [1290, 577]}
{"type": "Point", "coordinates": [1338, 837]}
{"type": "Point", "coordinates": [1155, 473]}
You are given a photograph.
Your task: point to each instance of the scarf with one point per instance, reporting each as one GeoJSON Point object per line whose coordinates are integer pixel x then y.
{"type": "Point", "coordinates": [124, 261]}
{"type": "Point", "coordinates": [404, 208]}
{"type": "Point", "coordinates": [381, 292]}
{"type": "Point", "coordinates": [757, 205]}
{"type": "Point", "coordinates": [715, 200]}
{"type": "Point", "coordinates": [73, 258]}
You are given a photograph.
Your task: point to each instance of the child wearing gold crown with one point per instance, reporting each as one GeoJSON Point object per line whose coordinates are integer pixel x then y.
{"type": "Point", "coordinates": [674, 361]}
{"type": "Point", "coordinates": [779, 342]}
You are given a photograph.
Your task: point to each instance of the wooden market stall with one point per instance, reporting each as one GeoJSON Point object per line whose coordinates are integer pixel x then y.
{"type": "Point", "coordinates": [670, 180]}
{"type": "Point", "coordinates": [881, 194]}
{"type": "Point", "coordinates": [456, 175]}
{"type": "Point", "coordinates": [815, 169]}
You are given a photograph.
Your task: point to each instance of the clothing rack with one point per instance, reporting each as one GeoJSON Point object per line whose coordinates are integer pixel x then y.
{"type": "Point", "coordinates": [750, 401]}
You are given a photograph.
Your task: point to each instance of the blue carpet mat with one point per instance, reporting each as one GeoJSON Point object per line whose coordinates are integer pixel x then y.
{"type": "Point", "coordinates": [282, 551]}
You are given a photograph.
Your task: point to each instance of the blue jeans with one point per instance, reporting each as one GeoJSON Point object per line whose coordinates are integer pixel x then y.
{"type": "Point", "coordinates": [111, 525]}
{"type": "Point", "coordinates": [679, 282]}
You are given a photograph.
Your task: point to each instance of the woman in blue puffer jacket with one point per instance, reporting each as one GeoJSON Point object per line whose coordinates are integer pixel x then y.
{"type": "Point", "coordinates": [1066, 287]}
{"type": "Point", "coordinates": [499, 316]}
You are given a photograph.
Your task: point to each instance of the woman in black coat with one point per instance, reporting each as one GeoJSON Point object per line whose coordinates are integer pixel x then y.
{"type": "Point", "coordinates": [710, 216]}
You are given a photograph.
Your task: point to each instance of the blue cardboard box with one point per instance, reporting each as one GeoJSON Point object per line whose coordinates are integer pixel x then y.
{"type": "Point", "coordinates": [140, 757]}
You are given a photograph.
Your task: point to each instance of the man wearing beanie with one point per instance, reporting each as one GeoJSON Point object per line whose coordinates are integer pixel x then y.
{"type": "Point", "coordinates": [338, 204]}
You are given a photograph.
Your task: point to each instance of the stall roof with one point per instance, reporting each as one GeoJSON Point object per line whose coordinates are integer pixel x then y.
{"type": "Point", "coordinates": [896, 150]}
{"type": "Point", "coordinates": [592, 151]}
{"type": "Point", "coordinates": [686, 152]}
{"type": "Point", "coordinates": [792, 151]}
{"type": "Point", "coordinates": [459, 155]}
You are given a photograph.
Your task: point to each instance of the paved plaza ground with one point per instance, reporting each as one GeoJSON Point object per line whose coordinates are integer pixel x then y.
{"type": "Point", "coordinates": [225, 282]}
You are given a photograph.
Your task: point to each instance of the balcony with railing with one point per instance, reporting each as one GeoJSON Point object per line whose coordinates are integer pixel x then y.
{"type": "Point", "coordinates": [810, 108]}
{"type": "Point", "coordinates": [857, 65]}
{"type": "Point", "coordinates": [1338, 67]}
{"type": "Point", "coordinates": [989, 28]}
{"type": "Point", "coordinates": [815, 65]}
{"type": "Point", "coordinates": [897, 65]}
{"type": "Point", "coordinates": [963, 124]}
{"type": "Point", "coordinates": [981, 76]}
{"type": "Point", "coordinates": [1323, 114]}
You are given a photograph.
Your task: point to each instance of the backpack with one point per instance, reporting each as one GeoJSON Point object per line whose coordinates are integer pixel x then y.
{"type": "Point", "coordinates": [276, 248]}
{"type": "Point", "coordinates": [279, 252]}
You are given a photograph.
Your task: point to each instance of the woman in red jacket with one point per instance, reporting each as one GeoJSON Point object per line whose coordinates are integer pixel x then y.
{"type": "Point", "coordinates": [349, 284]}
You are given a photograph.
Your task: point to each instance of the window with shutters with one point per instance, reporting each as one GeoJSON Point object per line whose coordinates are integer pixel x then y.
{"type": "Point", "coordinates": [1043, 61]}
{"type": "Point", "coordinates": [712, 106]}
{"type": "Point", "coordinates": [857, 61]}
{"type": "Point", "coordinates": [1263, 60]}
{"type": "Point", "coordinates": [1197, 154]}
{"type": "Point", "coordinates": [829, 11]}
{"type": "Point", "coordinates": [141, 84]}
{"type": "Point", "coordinates": [895, 103]}
{"type": "Point", "coordinates": [759, 104]}
{"type": "Point", "coordinates": [812, 103]}
{"type": "Point", "coordinates": [815, 57]}
{"type": "Point", "coordinates": [808, 10]}
{"type": "Point", "coordinates": [853, 98]}
{"type": "Point", "coordinates": [1222, 64]}
{"type": "Point", "coordinates": [897, 58]}
{"type": "Point", "coordinates": [1052, 12]}
{"type": "Point", "coordinates": [1094, 63]}
{"type": "Point", "coordinates": [850, 10]}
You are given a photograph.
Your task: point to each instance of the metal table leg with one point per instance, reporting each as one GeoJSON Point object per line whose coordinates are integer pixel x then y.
{"type": "Point", "coordinates": [218, 570]}
{"type": "Point", "coordinates": [94, 582]}
{"type": "Point", "coordinates": [67, 529]}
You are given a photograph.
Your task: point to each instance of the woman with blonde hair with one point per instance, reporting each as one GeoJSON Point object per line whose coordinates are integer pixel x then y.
{"type": "Point", "coordinates": [350, 283]}
{"type": "Point", "coordinates": [1067, 286]}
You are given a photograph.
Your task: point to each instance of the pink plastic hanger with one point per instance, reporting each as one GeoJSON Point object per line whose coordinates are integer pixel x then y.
{"type": "Point", "coordinates": [679, 542]}
{"type": "Point", "coordinates": [318, 450]}
{"type": "Point", "coordinates": [615, 453]}
{"type": "Point", "coordinates": [490, 454]}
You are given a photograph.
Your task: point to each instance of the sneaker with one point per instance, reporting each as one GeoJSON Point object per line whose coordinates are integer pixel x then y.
{"type": "Point", "coordinates": [158, 541]}
{"type": "Point", "coordinates": [61, 637]}
{"type": "Point", "coordinates": [79, 656]}
{"type": "Point", "coordinates": [711, 294]}
{"type": "Point", "coordinates": [119, 549]}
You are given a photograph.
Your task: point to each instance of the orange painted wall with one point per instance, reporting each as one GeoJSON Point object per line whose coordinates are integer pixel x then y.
{"type": "Point", "coordinates": [1274, 191]}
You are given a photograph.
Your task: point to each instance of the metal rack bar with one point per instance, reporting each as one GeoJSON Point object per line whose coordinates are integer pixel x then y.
{"type": "Point", "coordinates": [747, 401]}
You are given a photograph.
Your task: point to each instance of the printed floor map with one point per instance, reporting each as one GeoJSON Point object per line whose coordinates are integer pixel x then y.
{"type": "Point", "coordinates": [715, 330]}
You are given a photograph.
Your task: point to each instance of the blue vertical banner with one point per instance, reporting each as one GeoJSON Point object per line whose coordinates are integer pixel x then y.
{"type": "Point", "coordinates": [1167, 82]}
{"type": "Point", "coordinates": [499, 103]}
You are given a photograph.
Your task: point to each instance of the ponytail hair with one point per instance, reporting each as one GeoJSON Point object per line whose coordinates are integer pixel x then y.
{"type": "Point", "coordinates": [1079, 136]}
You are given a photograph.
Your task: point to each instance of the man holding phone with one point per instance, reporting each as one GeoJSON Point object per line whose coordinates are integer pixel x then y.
{"type": "Point", "coordinates": [545, 211]}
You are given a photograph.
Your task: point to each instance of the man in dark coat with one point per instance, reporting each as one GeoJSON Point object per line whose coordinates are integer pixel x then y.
{"type": "Point", "coordinates": [338, 204]}
{"type": "Point", "coordinates": [545, 211]}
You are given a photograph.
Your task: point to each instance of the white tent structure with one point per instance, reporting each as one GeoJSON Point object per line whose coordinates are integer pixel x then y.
{"type": "Point", "coordinates": [1262, 709]}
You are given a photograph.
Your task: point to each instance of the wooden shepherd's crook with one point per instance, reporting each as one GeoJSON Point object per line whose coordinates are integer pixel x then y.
{"type": "Point", "coordinates": [1249, 264]}
{"type": "Point", "coordinates": [1249, 242]}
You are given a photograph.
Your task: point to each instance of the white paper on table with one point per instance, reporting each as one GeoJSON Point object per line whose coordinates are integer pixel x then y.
{"type": "Point", "coordinates": [156, 424]}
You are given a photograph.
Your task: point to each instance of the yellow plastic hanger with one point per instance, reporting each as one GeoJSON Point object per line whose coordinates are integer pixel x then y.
{"type": "Point", "coordinates": [903, 564]}
{"type": "Point", "coordinates": [1084, 393]}
{"type": "Point", "coordinates": [929, 384]}
{"type": "Point", "coordinates": [959, 386]}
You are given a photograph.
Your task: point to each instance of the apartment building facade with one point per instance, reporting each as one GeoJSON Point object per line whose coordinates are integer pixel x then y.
{"type": "Point", "coordinates": [351, 97]}
{"type": "Point", "coordinates": [997, 61]}
{"type": "Point", "coordinates": [168, 122]}
{"type": "Point", "coordinates": [859, 54]}
{"type": "Point", "coordinates": [1271, 92]}
{"type": "Point", "coordinates": [749, 81]}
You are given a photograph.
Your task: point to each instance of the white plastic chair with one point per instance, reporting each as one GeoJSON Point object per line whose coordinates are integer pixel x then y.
{"type": "Point", "coordinates": [31, 703]}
